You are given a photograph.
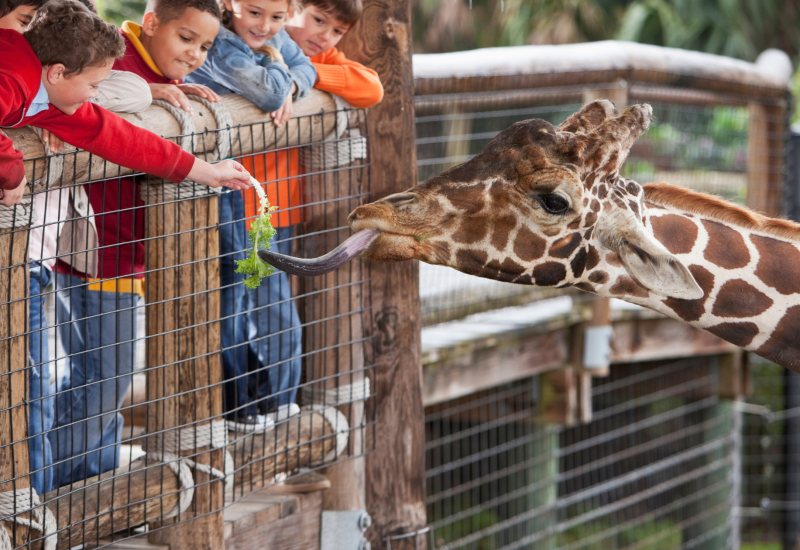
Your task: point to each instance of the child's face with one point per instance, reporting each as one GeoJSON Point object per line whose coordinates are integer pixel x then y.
{"type": "Point", "coordinates": [181, 45]}
{"type": "Point", "coordinates": [256, 21]}
{"type": "Point", "coordinates": [68, 93]}
{"type": "Point", "coordinates": [315, 31]}
{"type": "Point", "coordinates": [19, 19]}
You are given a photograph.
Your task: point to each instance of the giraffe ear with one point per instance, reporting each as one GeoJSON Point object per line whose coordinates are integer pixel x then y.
{"type": "Point", "coordinates": [652, 266]}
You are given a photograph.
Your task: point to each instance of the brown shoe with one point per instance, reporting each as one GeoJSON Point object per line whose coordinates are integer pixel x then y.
{"type": "Point", "coordinates": [306, 483]}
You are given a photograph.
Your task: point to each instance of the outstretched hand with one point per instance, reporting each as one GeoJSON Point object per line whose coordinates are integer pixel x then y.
{"type": "Point", "coordinates": [227, 173]}
{"type": "Point", "coordinates": [11, 197]}
{"type": "Point", "coordinates": [176, 94]}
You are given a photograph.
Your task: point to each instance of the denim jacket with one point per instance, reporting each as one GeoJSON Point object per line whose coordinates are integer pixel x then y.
{"type": "Point", "coordinates": [232, 67]}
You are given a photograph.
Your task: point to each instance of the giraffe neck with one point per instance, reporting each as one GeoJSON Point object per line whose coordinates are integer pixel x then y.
{"type": "Point", "coordinates": [750, 279]}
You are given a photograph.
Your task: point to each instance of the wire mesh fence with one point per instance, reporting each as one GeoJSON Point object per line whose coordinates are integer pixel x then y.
{"type": "Point", "coordinates": [144, 384]}
{"type": "Point", "coordinates": [655, 468]}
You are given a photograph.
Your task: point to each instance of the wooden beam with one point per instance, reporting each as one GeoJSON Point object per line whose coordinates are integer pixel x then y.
{"type": "Point", "coordinates": [559, 397]}
{"type": "Point", "coordinates": [14, 463]}
{"type": "Point", "coordinates": [96, 507]}
{"type": "Point", "coordinates": [317, 122]}
{"type": "Point", "coordinates": [304, 441]}
{"type": "Point", "coordinates": [503, 358]}
{"type": "Point", "coordinates": [765, 135]}
{"type": "Point", "coordinates": [655, 339]}
{"type": "Point", "coordinates": [333, 314]}
{"type": "Point", "coordinates": [395, 472]}
{"type": "Point", "coordinates": [184, 371]}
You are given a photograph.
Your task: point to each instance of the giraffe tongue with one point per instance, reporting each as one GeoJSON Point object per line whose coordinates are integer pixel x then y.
{"type": "Point", "coordinates": [337, 257]}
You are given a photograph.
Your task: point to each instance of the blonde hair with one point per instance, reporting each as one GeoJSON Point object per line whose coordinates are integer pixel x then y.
{"type": "Point", "coordinates": [269, 51]}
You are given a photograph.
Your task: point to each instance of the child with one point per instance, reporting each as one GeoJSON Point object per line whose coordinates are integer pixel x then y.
{"type": "Point", "coordinates": [47, 75]}
{"type": "Point", "coordinates": [17, 14]}
{"type": "Point", "coordinates": [269, 333]}
{"type": "Point", "coordinates": [317, 28]}
{"type": "Point", "coordinates": [98, 309]}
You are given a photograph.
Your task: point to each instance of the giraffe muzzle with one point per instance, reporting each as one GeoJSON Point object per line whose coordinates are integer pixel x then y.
{"type": "Point", "coordinates": [334, 259]}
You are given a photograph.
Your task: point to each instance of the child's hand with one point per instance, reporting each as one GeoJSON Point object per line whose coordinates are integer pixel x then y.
{"type": "Point", "coordinates": [172, 94]}
{"type": "Point", "coordinates": [13, 196]}
{"type": "Point", "coordinates": [199, 89]}
{"type": "Point", "coordinates": [282, 115]}
{"type": "Point", "coordinates": [56, 144]}
{"type": "Point", "coordinates": [227, 173]}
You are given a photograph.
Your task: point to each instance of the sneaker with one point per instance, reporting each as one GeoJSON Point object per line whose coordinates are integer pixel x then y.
{"type": "Point", "coordinates": [306, 483]}
{"type": "Point", "coordinates": [250, 423]}
{"type": "Point", "coordinates": [283, 412]}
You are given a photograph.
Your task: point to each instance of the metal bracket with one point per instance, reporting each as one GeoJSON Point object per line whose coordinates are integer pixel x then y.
{"type": "Point", "coordinates": [345, 530]}
{"type": "Point", "coordinates": [596, 347]}
{"type": "Point", "coordinates": [416, 534]}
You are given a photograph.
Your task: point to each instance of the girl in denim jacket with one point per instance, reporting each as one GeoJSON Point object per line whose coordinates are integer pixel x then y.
{"type": "Point", "coordinates": [261, 336]}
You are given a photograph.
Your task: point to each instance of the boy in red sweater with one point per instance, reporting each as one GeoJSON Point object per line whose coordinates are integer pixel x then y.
{"type": "Point", "coordinates": [47, 77]}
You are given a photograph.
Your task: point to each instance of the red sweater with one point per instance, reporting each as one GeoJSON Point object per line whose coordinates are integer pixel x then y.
{"type": "Point", "coordinates": [90, 128]}
{"type": "Point", "coordinates": [117, 203]}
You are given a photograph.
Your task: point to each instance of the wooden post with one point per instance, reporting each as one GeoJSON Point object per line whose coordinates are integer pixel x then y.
{"type": "Point", "coordinates": [183, 347]}
{"type": "Point", "coordinates": [395, 472]}
{"type": "Point", "coordinates": [765, 135]}
{"type": "Point", "coordinates": [14, 460]}
{"type": "Point", "coordinates": [332, 313]}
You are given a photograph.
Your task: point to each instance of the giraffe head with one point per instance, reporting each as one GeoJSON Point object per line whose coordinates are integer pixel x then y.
{"type": "Point", "coordinates": [539, 205]}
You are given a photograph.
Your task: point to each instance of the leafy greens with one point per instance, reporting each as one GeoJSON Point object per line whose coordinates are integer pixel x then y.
{"type": "Point", "coordinates": [261, 231]}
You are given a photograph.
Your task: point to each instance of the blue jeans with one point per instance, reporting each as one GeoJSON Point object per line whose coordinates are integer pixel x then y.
{"type": "Point", "coordinates": [261, 335]}
{"type": "Point", "coordinates": [97, 330]}
{"type": "Point", "coordinates": [40, 405]}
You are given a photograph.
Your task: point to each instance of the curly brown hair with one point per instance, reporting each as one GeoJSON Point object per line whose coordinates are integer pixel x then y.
{"type": "Point", "coordinates": [169, 10]}
{"type": "Point", "coordinates": [66, 32]}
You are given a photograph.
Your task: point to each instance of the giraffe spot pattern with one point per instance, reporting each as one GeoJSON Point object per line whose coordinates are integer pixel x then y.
{"type": "Point", "coordinates": [563, 248]}
{"type": "Point", "coordinates": [739, 299]}
{"type": "Point", "coordinates": [524, 280]}
{"type": "Point", "coordinates": [592, 258]}
{"type": "Point", "coordinates": [578, 263]}
{"type": "Point", "coordinates": [591, 219]}
{"type": "Point", "coordinates": [472, 230]}
{"type": "Point", "coordinates": [634, 208]}
{"type": "Point", "coordinates": [549, 273]}
{"type": "Point", "coordinates": [595, 206]}
{"type": "Point", "coordinates": [602, 191]}
{"type": "Point", "coordinates": [600, 277]}
{"type": "Point", "coordinates": [612, 258]}
{"type": "Point", "coordinates": [739, 334]}
{"type": "Point", "coordinates": [575, 224]}
{"type": "Point", "coordinates": [471, 261]}
{"type": "Point", "coordinates": [783, 347]}
{"type": "Point", "coordinates": [726, 247]}
{"type": "Point", "coordinates": [507, 271]}
{"type": "Point", "coordinates": [778, 264]}
{"type": "Point", "coordinates": [626, 286]}
{"type": "Point", "coordinates": [692, 310]}
{"type": "Point", "coordinates": [503, 226]}
{"type": "Point", "coordinates": [585, 286]}
{"type": "Point", "coordinates": [529, 246]}
{"type": "Point", "coordinates": [468, 198]}
{"type": "Point", "coordinates": [677, 234]}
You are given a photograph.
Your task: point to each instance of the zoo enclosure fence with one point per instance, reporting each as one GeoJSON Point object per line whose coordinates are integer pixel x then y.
{"type": "Point", "coordinates": [665, 458]}
{"type": "Point", "coordinates": [141, 373]}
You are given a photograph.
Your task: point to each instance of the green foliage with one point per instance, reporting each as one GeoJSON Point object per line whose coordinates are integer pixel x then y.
{"type": "Point", "coordinates": [261, 231]}
{"type": "Point", "coordinates": [119, 11]}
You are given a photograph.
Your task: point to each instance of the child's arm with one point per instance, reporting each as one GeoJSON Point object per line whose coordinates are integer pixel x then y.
{"type": "Point", "coordinates": [110, 137]}
{"type": "Point", "coordinates": [302, 70]}
{"type": "Point", "coordinates": [351, 80]}
{"type": "Point", "coordinates": [12, 171]}
{"type": "Point", "coordinates": [267, 86]}
{"type": "Point", "coordinates": [124, 92]}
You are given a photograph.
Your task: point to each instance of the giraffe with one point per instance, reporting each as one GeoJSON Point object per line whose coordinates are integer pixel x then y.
{"type": "Point", "coordinates": [547, 206]}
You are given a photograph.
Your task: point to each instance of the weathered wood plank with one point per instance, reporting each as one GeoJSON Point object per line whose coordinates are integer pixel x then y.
{"type": "Point", "coordinates": [318, 122]}
{"type": "Point", "coordinates": [395, 472]}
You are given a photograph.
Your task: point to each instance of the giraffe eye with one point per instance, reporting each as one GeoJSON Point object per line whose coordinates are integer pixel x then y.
{"type": "Point", "coordinates": [553, 204]}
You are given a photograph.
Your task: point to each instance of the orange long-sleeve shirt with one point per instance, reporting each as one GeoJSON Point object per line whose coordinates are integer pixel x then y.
{"type": "Point", "coordinates": [336, 74]}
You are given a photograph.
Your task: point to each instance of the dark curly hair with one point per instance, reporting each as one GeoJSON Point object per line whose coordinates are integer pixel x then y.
{"type": "Point", "coordinates": [66, 32]}
{"type": "Point", "coordinates": [169, 10]}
